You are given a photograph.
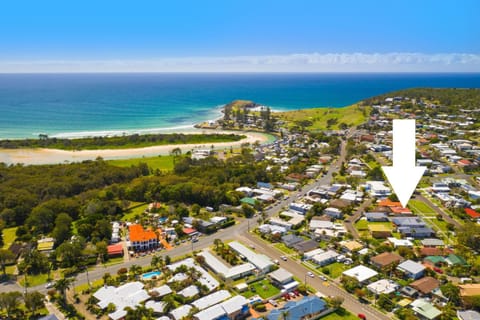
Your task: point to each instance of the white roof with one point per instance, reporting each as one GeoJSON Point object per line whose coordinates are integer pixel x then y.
{"type": "Point", "coordinates": [181, 312]}
{"type": "Point", "coordinates": [220, 268]}
{"type": "Point", "coordinates": [411, 267]}
{"type": "Point", "coordinates": [211, 299]}
{"type": "Point", "coordinates": [281, 275]}
{"type": "Point", "coordinates": [205, 278]}
{"type": "Point", "coordinates": [260, 261]}
{"type": "Point", "coordinates": [400, 242]}
{"type": "Point", "coordinates": [127, 295]}
{"type": "Point", "coordinates": [156, 306]}
{"type": "Point", "coordinates": [162, 290]}
{"type": "Point", "coordinates": [320, 224]}
{"type": "Point", "coordinates": [361, 273]}
{"type": "Point", "coordinates": [178, 277]}
{"type": "Point", "coordinates": [327, 255]}
{"type": "Point", "coordinates": [313, 252]}
{"type": "Point", "coordinates": [230, 306]}
{"type": "Point", "coordinates": [234, 304]}
{"type": "Point", "coordinates": [385, 286]}
{"type": "Point", "coordinates": [210, 313]}
{"type": "Point", "coordinates": [189, 291]}
{"type": "Point", "coordinates": [119, 314]}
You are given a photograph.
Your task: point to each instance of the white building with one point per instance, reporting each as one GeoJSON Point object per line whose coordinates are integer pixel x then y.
{"type": "Point", "coordinates": [361, 273]}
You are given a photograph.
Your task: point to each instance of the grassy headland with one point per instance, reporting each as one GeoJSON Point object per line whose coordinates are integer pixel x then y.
{"type": "Point", "coordinates": [325, 118]}
{"type": "Point", "coordinates": [120, 142]}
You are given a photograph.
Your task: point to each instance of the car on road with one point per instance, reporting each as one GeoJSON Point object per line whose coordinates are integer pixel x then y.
{"type": "Point", "coordinates": [362, 316]}
{"type": "Point", "coordinates": [276, 261]}
{"type": "Point", "coordinates": [310, 274]}
{"type": "Point", "coordinates": [284, 258]}
{"type": "Point", "coordinates": [50, 285]}
{"type": "Point", "coordinates": [323, 278]}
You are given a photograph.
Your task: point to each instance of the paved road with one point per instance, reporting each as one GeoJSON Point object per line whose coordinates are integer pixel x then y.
{"type": "Point", "coordinates": [350, 222]}
{"type": "Point", "coordinates": [327, 288]}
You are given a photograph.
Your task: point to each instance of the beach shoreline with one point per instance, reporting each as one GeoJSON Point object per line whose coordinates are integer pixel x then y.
{"type": "Point", "coordinates": [39, 156]}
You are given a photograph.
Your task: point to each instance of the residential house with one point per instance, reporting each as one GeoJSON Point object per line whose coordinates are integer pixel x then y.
{"type": "Point", "coordinates": [468, 315]}
{"type": "Point", "coordinates": [385, 260]}
{"type": "Point", "coordinates": [425, 285]}
{"type": "Point", "coordinates": [376, 216]}
{"type": "Point", "coordinates": [379, 231]}
{"type": "Point", "coordinates": [263, 263]}
{"type": "Point", "coordinates": [325, 258]}
{"type": "Point", "coordinates": [411, 269]}
{"type": "Point", "coordinates": [383, 286]}
{"type": "Point", "coordinates": [455, 260]}
{"type": "Point", "coordinates": [361, 273]}
{"type": "Point", "coordinates": [425, 310]}
{"type": "Point", "coordinates": [290, 240]}
{"type": "Point", "coordinates": [333, 213]}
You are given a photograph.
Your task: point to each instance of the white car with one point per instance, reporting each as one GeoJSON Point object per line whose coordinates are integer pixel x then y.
{"type": "Point", "coordinates": [323, 278]}
{"type": "Point", "coordinates": [283, 258]}
{"type": "Point", "coordinates": [310, 274]}
{"type": "Point", "coordinates": [50, 285]}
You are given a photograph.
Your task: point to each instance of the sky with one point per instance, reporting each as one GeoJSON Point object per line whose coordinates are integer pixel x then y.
{"type": "Point", "coordinates": [247, 35]}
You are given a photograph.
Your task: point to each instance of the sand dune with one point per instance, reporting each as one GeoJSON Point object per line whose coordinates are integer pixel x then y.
{"type": "Point", "coordinates": [54, 156]}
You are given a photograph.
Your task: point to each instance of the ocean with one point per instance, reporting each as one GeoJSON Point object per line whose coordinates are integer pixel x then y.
{"type": "Point", "coordinates": [74, 105]}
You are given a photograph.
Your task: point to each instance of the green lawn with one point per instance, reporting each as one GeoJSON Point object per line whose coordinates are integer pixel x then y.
{"type": "Point", "coordinates": [282, 247]}
{"type": "Point", "coordinates": [335, 269]}
{"type": "Point", "coordinates": [164, 163]}
{"type": "Point", "coordinates": [136, 208]}
{"type": "Point", "coordinates": [361, 225]}
{"type": "Point", "coordinates": [419, 207]}
{"type": "Point", "coordinates": [34, 280]}
{"type": "Point", "coordinates": [337, 316]}
{"type": "Point", "coordinates": [263, 288]}
{"type": "Point", "coordinates": [9, 236]}
{"type": "Point", "coordinates": [113, 261]}
{"type": "Point", "coordinates": [94, 284]}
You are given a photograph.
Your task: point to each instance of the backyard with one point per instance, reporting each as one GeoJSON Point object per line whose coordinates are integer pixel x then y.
{"type": "Point", "coordinates": [334, 270]}
{"type": "Point", "coordinates": [263, 288]}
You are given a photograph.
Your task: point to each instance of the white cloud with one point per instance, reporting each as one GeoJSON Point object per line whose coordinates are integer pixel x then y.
{"type": "Point", "coordinates": [302, 62]}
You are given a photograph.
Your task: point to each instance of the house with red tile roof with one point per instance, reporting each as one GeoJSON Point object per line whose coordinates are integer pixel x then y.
{"type": "Point", "coordinates": [115, 250]}
{"type": "Point", "coordinates": [472, 213]}
{"type": "Point", "coordinates": [141, 239]}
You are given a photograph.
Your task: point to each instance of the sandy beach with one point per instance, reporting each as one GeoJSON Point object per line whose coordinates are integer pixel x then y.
{"type": "Point", "coordinates": [54, 156]}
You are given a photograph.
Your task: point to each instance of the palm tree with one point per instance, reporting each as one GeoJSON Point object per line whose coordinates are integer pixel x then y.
{"type": "Point", "coordinates": [135, 270]}
{"type": "Point", "coordinates": [6, 256]}
{"type": "Point", "coordinates": [62, 285]}
{"type": "Point", "coordinates": [140, 312]}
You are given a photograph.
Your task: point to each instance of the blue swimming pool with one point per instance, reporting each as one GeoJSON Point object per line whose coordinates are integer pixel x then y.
{"type": "Point", "coordinates": [150, 275]}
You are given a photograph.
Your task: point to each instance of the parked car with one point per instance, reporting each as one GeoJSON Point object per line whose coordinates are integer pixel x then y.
{"type": "Point", "coordinates": [276, 261]}
{"type": "Point", "coordinates": [362, 316]}
{"type": "Point", "coordinates": [273, 303]}
{"type": "Point", "coordinates": [292, 295]}
{"type": "Point", "coordinates": [50, 285]}
{"type": "Point", "coordinates": [310, 274]}
{"type": "Point", "coordinates": [323, 278]}
{"type": "Point", "coordinates": [283, 258]}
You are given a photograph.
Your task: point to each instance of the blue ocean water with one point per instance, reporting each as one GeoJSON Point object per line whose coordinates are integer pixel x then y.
{"type": "Point", "coordinates": [95, 104]}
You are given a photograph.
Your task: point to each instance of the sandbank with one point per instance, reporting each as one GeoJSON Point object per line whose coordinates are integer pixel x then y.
{"type": "Point", "coordinates": [36, 156]}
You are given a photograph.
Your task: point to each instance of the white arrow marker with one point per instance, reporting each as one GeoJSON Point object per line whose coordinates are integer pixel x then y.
{"type": "Point", "coordinates": [403, 175]}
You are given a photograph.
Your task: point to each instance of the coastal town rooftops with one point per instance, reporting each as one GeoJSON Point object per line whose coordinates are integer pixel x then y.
{"type": "Point", "coordinates": [470, 289]}
{"type": "Point", "coordinates": [383, 286]}
{"type": "Point", "coordinates": [432, 242]}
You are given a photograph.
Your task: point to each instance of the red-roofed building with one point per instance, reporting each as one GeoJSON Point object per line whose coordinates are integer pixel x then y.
{"type": "Point", "coordinates": [115, 250]}
{"type": "Point", "coordinates": [141, 239]}
{"type": "Point", "coordinates": [400, 210]}
{"type": "Point", "coordinates": [389, 203]}
{"type": "Point", "coordinates": [464, 163]}
{"type": "Point", "coordinates": [472, 213]}
{"type": "Point", "coordinates": [190, 232]}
